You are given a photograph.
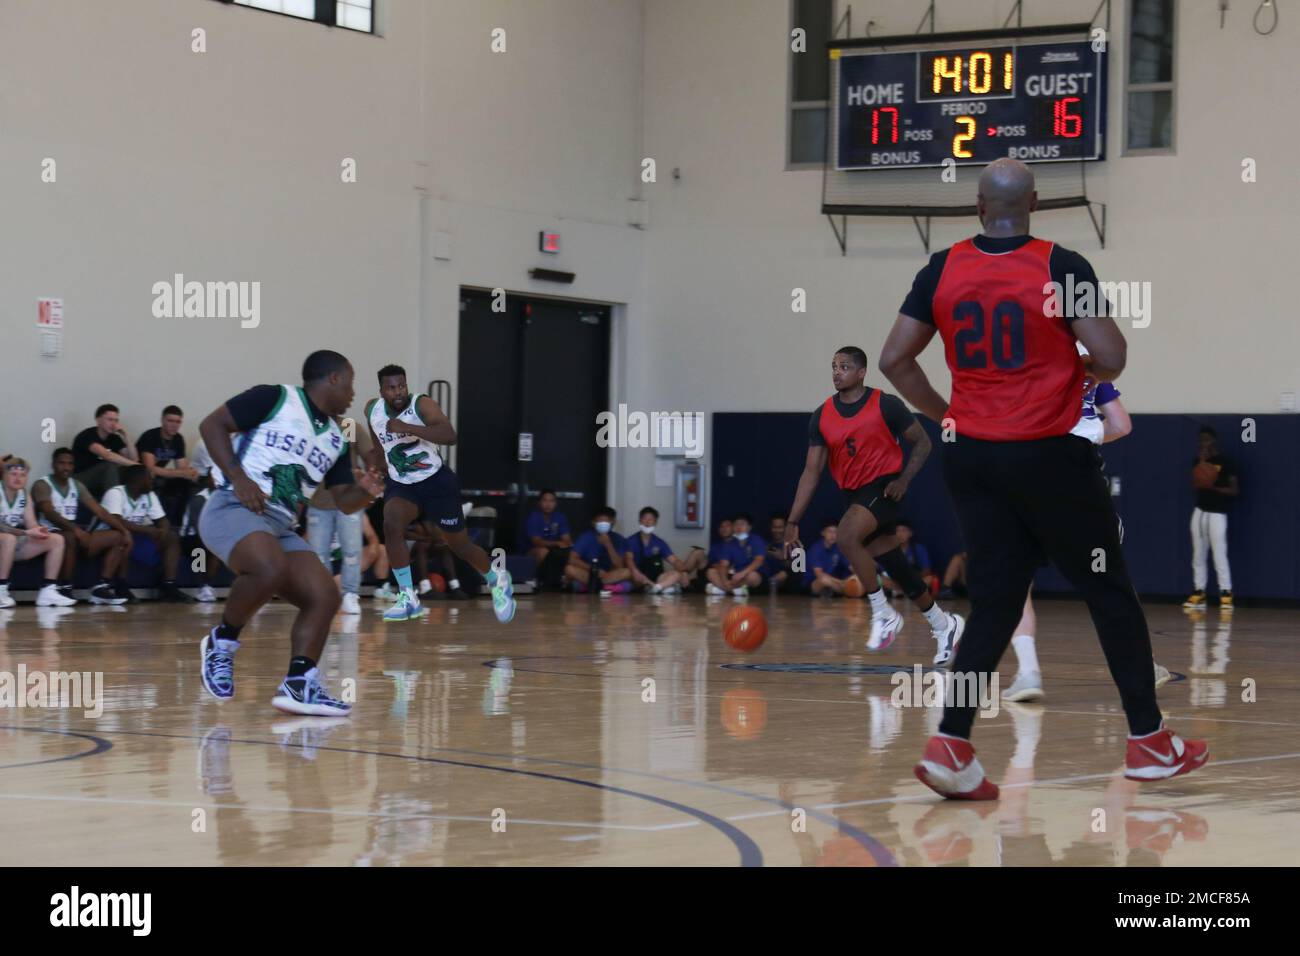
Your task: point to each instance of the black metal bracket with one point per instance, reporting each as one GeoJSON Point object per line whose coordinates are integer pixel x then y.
{"type": "Point", "coordinates": [929, 15]}
{"type": "Point", "coordinates": [841, 233]}
{"type": "Point", "coordinates": [1104, 5]}
{"type": "Point", "coordinates": [1099, 227]}
{"type": "Point", "coordinates": [924, 234]}
{"type": "Point", "coordinates": [847, 18]}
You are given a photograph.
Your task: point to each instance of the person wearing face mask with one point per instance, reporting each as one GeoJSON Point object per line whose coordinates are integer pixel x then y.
{"type": "Point", "coordinates": [650, 561]}
{"type": "Point", "coordinates": [598, 552]}
{"type": "Point", "coordinates": [744, 556]}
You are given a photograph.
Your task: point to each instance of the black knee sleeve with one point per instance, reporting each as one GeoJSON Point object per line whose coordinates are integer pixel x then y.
{"type": "Point", "coordinates": [896, 566]}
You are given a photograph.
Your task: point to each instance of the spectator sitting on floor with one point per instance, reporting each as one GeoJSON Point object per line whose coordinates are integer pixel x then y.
{"type": "Point", "coordinates": [954, 577]}
{"type": "Point", "coordinates": [827, 567]}
{"type": "Point", "coordinates": [777, 568]}
{"type": "Point", "coordinates": [162, 451]}
{"type": "Point", "coordinates": [373, 554]}
{"type": "Point", "coordinates": [135, 503]}
{"type": "Point", "coordinates": [743, 568]}
{"type": "Point", "coordinates": [599, 551]}
{"type": "Point", "coordinates": [548, 540]}
{"type": "Point", "coordinates": [22, 538]}
{"type": "Point", "coordinates": [58, 498]}
{"type": "Point", "coordinates": [101, 450]}
{"type": "Point", "coordinates": [650, 560]}
{"type": "Point", "coordinates": [701, 559]}
{"type": "Point", "coordinates": [718, 566]}
{"type": "Point", "coordinates": [917, 556]}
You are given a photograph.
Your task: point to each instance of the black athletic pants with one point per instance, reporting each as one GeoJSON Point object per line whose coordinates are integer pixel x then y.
{"type": "Point", "coordinates": [1019, 504]}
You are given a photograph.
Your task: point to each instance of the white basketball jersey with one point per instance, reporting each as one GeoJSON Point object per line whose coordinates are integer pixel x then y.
{"type": "Point", "coordinates": [65, 505]}
{"type": "Point", "coordinates": [1089, 425]}
{"type": "Point", "coordinates": [410, 459]}
{"type": "Point", "coordinates": [139, 511]}
{"type": "Point", "coordinates": [287, 454]}
{"type": "Point", "coordinates": [11, 512]}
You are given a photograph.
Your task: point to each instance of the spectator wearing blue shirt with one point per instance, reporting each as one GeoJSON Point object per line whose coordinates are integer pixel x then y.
{"type": "Point", "coordinates": [599, 551]}
{"type": "Point", "coordinates": [742, 565]}
{"type": "Point", "coordinates": [827, 566]}
{"type": "Point", "coordinates": [917, 556]}
{"type": "Point", "coordinates": [546, 528]}
{"type": "Point", "coordinates": [701, 559]}
{"type": "Point", "coordinates": [650, 561]}
{"type": "Point", "coordinates": [777, 568]}
{"type": "Point", "coordinates": [719, 550]}
{"type": "Point", "coordinates": [548, 539]}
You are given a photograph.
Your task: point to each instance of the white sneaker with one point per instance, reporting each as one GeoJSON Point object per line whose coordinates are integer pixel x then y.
{"type": "Point", "coordinates": [350, 605]}
{"type": "Point", "coordinates": [740, 592]}
{"type": "Point", "coordinates": [712, 588]}
{"type": "Point", "coordinates": [307, 696]}
{"type": "Point", "coordinates": [407, 607]}
{"type": "Point", "coordinates": [385, 593]}
{"type": "Point", "coordinates": [1163, 676]}
{"type": "Point", "coordinates": [884, 630]}
{"type": "Point", "coordinates": [206, 595]}
{"type": "Point", "coordinates": [425, 586]}
{"type": "Point", "coordinates": [1027, 687]}
{"type": "Point", "coordinates": [656, 589]}
{"type": "Point", "coordinates": [5, 599]}
{"type": "Point", "coordinates": [672, 589]}
{"type": "Point", "coordinates": [947, 639]}
{"type": "Point", "coordinates": [49, 596]}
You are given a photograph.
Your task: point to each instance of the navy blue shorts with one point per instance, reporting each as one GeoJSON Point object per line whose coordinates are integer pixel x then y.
{"type": "Point", "coordinates": [437, 497]}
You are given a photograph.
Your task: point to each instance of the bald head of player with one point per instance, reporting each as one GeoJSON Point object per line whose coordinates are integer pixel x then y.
{"type": "Point", "coordinates": [1006, 198]}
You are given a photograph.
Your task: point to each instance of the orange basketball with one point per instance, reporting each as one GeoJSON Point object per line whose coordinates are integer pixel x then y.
{"type": "Point", "coordinates": [1204, 475]}
{"type": "Point", "coordinates": [439, 582]}
{"type": "Point", "coordinates": [744, 628]}
{"type": "Point", "coordinates": [853, 587]}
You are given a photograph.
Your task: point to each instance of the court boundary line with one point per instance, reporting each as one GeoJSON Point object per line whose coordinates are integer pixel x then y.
{"type": "Point", "coordinates": [102, 745]}
{"type": "Point", "coordinates": [750, 853]}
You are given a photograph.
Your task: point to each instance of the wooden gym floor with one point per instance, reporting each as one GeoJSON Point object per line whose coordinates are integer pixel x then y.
{"type": "Point", "coordinates": [533, 744]}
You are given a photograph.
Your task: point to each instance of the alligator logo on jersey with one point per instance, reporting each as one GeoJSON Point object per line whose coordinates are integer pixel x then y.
{"type": "Point", "coordinates": [405, 464]}
{"type": "Point", "coordinates": [12, 514]}
{"type": "Point", "coordinates": [286, 484]}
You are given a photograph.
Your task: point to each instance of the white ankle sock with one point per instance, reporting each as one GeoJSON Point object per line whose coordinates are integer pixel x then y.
{"type": "Point", "coordinates": [878, 603]}
{"type": "Point", "coordinates": [1025, 653]}
{"type": "Point", "coordinates": [938, 620]}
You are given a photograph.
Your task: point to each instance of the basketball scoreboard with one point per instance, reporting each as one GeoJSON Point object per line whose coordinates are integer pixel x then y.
{"type": "Point", "coordinates": [1036, 102]}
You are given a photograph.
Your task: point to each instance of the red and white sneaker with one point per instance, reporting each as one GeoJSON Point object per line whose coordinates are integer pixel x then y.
{"type": "Point", "coordinates": [949, 768]}
{"type": "Point", "coordinates": [884, 630]}
{"type": "Point", "coordinates": [1162, 755]}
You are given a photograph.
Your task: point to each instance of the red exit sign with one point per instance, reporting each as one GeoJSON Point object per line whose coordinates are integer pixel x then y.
{"type": "Point", "coordinates": [550, 242]}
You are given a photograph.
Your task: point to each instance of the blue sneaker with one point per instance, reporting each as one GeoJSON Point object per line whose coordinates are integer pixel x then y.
{"type": "Point", "coordinates": [304, 695]}
{"type": "Point", "coordinates": [218, 671]}
{"type": "Point", "coordinates": [503, 598]}
{"type": "Point", "coordinates": [407, 607]}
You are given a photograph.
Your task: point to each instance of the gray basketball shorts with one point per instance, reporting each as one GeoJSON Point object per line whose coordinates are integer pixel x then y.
{"type": "Point", "coordinates": [225, 522]}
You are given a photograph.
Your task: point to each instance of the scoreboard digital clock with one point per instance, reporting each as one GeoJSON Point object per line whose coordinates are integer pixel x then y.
{"type": "Point", "coordinates": [1036, 102]}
